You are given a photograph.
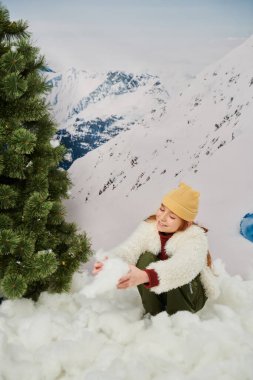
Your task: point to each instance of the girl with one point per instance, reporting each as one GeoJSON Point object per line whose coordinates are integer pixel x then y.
{"type": "Point", "coordinates": [168, 257]}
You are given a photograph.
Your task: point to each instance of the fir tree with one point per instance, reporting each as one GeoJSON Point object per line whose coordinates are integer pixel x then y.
{"type": "Point", "coordinates": [39, 250]}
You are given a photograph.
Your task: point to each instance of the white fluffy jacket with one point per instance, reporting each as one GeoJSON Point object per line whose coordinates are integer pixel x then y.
{"type": "Point", "coordinates": [187, 251]}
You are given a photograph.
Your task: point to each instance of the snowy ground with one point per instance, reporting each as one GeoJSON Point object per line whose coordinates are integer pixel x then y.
{"type": "Point", "coordinates": [69, 336]}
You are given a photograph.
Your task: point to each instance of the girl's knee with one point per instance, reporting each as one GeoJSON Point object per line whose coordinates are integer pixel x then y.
{"type": "Point", "coordinates": [145, 259]}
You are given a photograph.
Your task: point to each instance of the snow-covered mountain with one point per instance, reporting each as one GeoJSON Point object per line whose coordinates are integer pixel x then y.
{"type": "Point", "coordinates": [90, 109]}
{"type": "Point", "coordinates": [195, 140]}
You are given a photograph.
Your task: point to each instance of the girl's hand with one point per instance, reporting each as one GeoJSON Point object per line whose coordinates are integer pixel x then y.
{"type": "Point", "coordinates": [98, 266]}
{"type": "Point", "coordinates": [134, 277]}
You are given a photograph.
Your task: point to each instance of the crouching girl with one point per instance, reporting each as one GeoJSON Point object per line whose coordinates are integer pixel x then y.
{"type": "Point", "coordinates": [168, 257]}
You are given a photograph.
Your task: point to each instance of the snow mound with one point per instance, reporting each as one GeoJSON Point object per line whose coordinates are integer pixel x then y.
{"type": "Point", "coordinates": [106, 279]}
{"type": "Point", "coordinates": [246, 226]}
{"type": "Point", "coordinates": [72, 337]}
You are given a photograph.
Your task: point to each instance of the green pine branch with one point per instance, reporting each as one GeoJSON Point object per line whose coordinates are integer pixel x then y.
{"type": "Point", "coordinates": [39, 250]}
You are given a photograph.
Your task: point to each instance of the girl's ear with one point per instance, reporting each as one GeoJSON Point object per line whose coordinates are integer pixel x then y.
{"type": "Point", "coordinates": [190, 224]}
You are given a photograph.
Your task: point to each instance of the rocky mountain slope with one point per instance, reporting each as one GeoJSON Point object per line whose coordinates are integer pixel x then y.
{"type": "Point", "coordinates": [90, 109]}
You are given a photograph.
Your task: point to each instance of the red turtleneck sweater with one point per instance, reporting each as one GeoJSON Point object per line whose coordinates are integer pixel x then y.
{"type": "Point", "coordinates": [153, 277]}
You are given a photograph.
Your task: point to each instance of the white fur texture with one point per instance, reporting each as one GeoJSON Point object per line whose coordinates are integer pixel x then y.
{"type": "Point", "coordinates": [107, 278]}
{"type": "Point", "coordinates": [187, 251]}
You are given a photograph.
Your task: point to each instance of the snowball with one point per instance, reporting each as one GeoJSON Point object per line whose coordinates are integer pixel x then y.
{"type": "Point", "coordinates": [107, 278]}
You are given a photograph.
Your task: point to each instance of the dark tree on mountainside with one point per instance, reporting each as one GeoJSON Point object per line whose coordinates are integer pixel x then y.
{"type": "Point", "coordinates": [38, 250]}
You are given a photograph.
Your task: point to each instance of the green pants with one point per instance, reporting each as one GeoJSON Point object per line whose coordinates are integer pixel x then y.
{"type": "Point", "coordinates": [190, 297]}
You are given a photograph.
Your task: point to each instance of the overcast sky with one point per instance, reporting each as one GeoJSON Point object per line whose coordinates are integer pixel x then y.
{"type": "Point", "coordinates": [142, 35]}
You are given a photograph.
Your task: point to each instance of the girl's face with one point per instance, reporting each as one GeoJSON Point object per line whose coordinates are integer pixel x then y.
{"type": "Point", "coordinates": [166, 221]}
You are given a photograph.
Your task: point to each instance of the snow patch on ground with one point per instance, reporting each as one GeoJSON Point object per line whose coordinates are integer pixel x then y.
{"type": "Point", "coordinates": [70, 336]}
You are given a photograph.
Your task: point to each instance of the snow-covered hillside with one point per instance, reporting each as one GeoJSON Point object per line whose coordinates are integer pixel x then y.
{"type": "Point", "coordinates": [196, 139]}
{"type": "Point", "coordinates": [92, 108]}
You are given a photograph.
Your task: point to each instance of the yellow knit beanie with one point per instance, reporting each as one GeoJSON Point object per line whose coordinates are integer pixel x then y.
{"type": "Point", "coordinates": [183, 201]}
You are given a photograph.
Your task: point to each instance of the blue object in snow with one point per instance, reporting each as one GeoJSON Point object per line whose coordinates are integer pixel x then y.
{"type": "Point", "coordinates": [246, 227]}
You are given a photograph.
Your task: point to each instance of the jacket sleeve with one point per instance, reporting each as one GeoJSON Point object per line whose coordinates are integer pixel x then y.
{"type": "Point", "coordinates": [130, 249]}
{"type": "Point", "coordinates": [186, 263]}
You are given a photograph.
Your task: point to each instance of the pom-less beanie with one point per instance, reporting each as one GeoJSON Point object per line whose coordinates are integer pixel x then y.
{"type": "Point", "coordinates": [183, 202]}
